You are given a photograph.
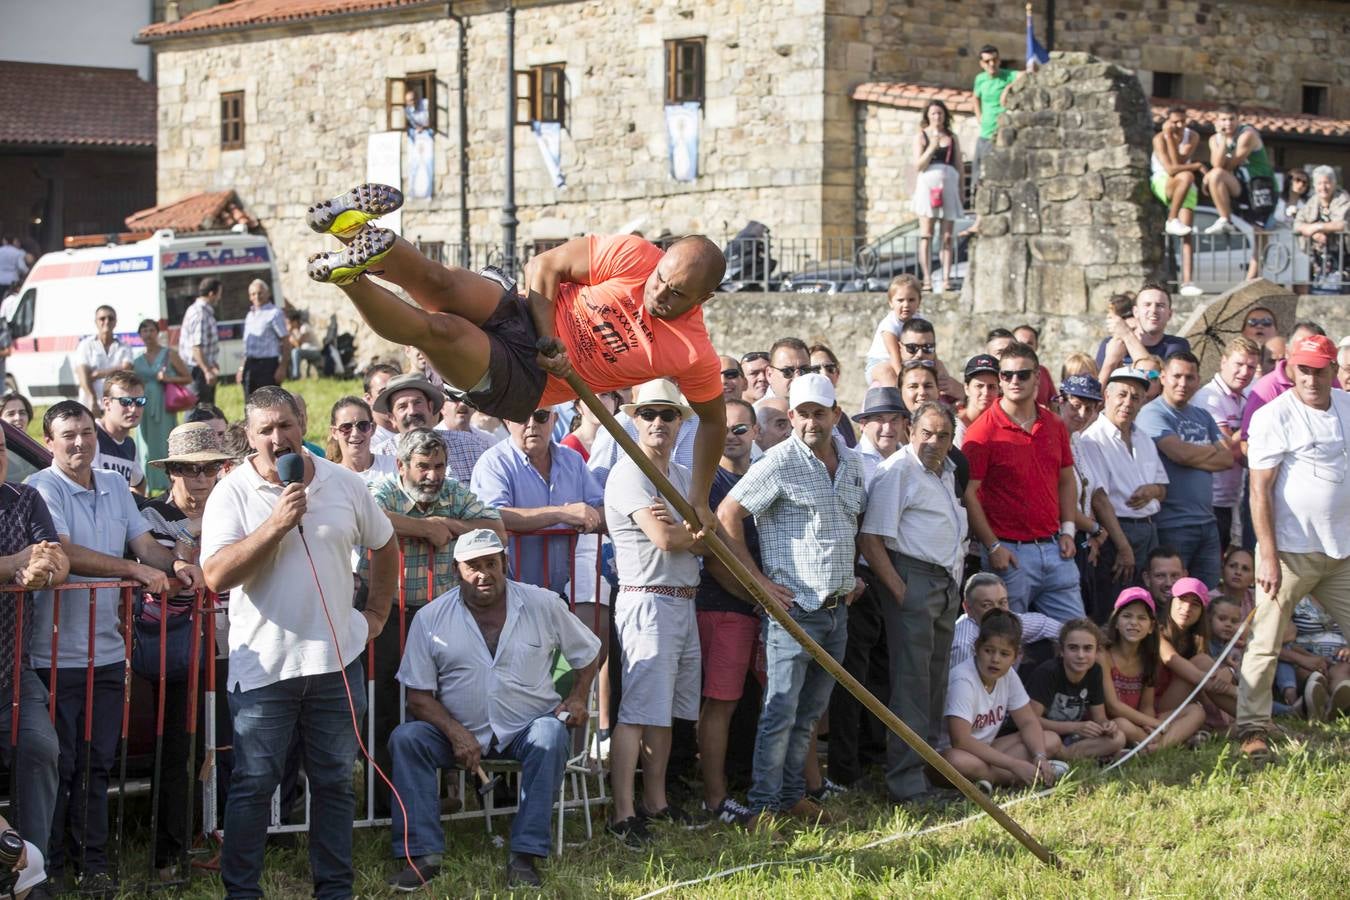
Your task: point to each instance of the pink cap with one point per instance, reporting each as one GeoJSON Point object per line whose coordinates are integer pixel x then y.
{"type": "Point", "coordinates": [1194, 586]}
{"type": "Point", "coordinates": [1131, 594]}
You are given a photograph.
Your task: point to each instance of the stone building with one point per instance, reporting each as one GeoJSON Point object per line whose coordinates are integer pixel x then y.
{"type": "Point", "coordinates": [277, 100]}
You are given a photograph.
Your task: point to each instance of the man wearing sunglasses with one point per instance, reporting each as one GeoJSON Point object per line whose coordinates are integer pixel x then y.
{"type": "Point", "coordinates": [918, 340]}
{"type": "Point", "coordinates": [1021, 494]}
{"type": "Point", "coordinates": [98, 356]}
{"type": "Point", "coordinates": [755, 366]}
{"type": "Point", "coordinates": [788, 358]}
{"type": "Point", "coordinates": [616, 310]}
{"type": "Point", "coordinates": [123, 405]}
{"type": "Point", "coordinates": [734, 384]}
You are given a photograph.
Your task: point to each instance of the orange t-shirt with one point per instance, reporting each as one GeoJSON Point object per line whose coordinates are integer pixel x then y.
{"type": "Point", "coordinates": [611, 339]}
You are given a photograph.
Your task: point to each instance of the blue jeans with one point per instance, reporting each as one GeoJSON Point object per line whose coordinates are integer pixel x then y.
{"type": "Point", "coordinates": [796, 695]}
{"type": "Point", "coordinates": [265, 720]}
{"type": "Point", "coordinates": [420, 750]}
{"type": "Point", "coordinates": [1198, 546]}
{"type": "Point", "coordinates": [37, 762]}
{"type": "Point", "coordinates": [1042, 580]}
{"type": "Point", "coordinates": [1286, 676]}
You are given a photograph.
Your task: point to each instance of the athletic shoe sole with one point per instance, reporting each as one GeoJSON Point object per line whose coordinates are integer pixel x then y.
{"type": "Point", "coordinates": [344, 215]}
{"type": "Point", "coordinates": [352, 261]}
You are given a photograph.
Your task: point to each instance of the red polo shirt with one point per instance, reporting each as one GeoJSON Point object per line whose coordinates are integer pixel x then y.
{"type": "Point", "coordinates": [1018, 471]}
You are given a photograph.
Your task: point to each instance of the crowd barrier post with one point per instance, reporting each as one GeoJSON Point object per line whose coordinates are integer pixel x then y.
{"type": "Point", "coordinates": [713, 542]}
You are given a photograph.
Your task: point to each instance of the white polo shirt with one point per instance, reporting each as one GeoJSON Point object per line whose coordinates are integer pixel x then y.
{"type": "Point", "coordinates": [277, 625]}
{"type": "Point", "coordinates": [495, 695]}
{"type": "Point", "coordinates": [1312, 489]}
{"type": "Point", "coordinates": [915, 510]}
{"type": "Point", "coordinates": [1124, 470]}
{"type": "Point", "coordinates": [91, 352]}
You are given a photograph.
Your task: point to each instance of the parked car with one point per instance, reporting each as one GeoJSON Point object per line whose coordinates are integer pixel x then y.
{"type": "Point", "coordinates": [874, 264]}
{"type": "Point", "coordinates": [1221, 260]}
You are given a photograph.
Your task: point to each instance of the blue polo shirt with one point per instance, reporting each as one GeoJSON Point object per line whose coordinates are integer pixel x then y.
{"type": "Point", "coordinates": [504, 476]}
{"type": "Point", "coordinates": [1190, 491]}
{"type": "Point", "coordinates": [103, 518]}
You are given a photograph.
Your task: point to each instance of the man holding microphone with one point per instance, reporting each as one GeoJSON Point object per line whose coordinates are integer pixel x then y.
{"type": "Point", "coordinates": [291, 593]}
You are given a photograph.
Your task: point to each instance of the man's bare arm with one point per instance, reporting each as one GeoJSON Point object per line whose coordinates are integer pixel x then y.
{"type": "Point", "coordinates": [570, 262]}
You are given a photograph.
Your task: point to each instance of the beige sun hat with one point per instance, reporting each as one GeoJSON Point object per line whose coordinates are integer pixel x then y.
{"type": "Point", "coordinates": [409, 381]}
{"type": "Point", "coordinates": [657, 392]}
{"type": "Point", "coordinates": [195, 442]}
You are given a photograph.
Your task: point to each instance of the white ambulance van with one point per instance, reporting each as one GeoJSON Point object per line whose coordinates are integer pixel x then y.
{"type": "Point", "coordinates": [155, 278]}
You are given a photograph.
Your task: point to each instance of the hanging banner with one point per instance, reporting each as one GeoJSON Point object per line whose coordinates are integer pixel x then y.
{"type": "Point", "coordinates": [548, 135]}
{"type": "Point", "coordinates": [682, 122]}
{"type": "Point", "coordinates": [421, 180]}
{"type": "Point", "coordinates": [384, 165]}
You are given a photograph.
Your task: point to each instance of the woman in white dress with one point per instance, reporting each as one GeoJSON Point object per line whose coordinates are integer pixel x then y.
{"type": "Point", "coordinates": [937, 189]}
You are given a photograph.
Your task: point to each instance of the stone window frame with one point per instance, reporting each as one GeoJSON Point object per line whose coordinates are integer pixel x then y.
{"type": "Point", "coordinates": [394, 89]}
{"type": "Point", "coordinates": [232, 120]}
{"type": "Point", "coordinates": [1167, 85]}
{"type": "Point", "coordinates": [686, 70]}
{"type": "Point", "coordinates": [1320, 98]}
{"type": "Point", "coordinates": [541, 94]}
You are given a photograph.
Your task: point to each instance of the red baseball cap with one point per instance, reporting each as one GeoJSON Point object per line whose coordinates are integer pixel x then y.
{"type": "Point", "coordinates": [1194, 586]}
{"type": "Point", "coordinates": [1315, 351]}
{"type": "Point", "coordinates": [1132, 594]}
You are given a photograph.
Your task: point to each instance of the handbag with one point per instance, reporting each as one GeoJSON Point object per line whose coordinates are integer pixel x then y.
{"type": "Point", "coordinates": [1261, 192]}
{"type": "Point", "coordinates": [935, 196]}
{"type": "Point", "coordinates": [179, 397]}
{"type": "Point", "coordinates": [177, 641]}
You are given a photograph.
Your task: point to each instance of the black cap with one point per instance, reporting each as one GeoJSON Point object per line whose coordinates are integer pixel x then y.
{"type": "Point", "coordinates": [979, 364]}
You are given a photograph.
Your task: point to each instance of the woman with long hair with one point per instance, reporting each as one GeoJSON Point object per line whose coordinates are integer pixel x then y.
{"type": "Point", "coordinates": [937, 189]}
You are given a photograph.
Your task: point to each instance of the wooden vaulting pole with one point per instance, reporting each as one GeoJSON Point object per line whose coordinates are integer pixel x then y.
{"type": "Point", "coordinates": [718, 548]}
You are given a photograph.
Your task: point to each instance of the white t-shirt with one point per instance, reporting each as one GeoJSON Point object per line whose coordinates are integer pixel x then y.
{"type": "Point", "coordinates": [277, 625]}
{"type": "Point", "coordinates": [91, 352]}
{"type": "Point", "coordinates": [877, 352]}
{"type": "Point", "coordinates": [641, 563]}
{"type": "Point", "coordinates": [984, 710]}
{"type": "Point", "coordinates": [1312, 489]}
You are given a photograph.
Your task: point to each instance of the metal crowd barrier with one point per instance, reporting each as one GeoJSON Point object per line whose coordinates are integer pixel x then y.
{"type": "Point", "coordinates": [1220, 261]}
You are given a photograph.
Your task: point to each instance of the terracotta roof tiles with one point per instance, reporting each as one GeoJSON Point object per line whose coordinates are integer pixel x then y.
{"type": "Point", "coordinates": [214, 211]}
{"type": "Point", "coordinates": [256, 13]}
{"type": "Point", "coordinates": [51, 105]}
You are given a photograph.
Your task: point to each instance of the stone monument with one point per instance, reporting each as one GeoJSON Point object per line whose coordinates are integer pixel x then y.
{"type": "Point", "coordinates": [1066, 216]}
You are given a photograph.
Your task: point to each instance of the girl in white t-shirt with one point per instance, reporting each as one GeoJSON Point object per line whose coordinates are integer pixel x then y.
{"type": "Point", "coordinates": [883, 357]}
{"type": "Point", "coordinates": [981, 693]}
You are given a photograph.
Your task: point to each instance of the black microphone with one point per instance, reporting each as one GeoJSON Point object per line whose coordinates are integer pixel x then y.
{"type": "Point", "coordinates": [291, 470]}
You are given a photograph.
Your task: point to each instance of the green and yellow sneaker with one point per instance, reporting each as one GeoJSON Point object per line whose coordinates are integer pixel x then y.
{"type": "Point", "coordinates": [344, 215]}
{"type": "Point", "coordinates": [351, 262]}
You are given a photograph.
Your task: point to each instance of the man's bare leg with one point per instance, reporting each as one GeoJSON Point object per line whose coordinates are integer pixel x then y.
{"type": "Point", "coordinates": [438, 288]}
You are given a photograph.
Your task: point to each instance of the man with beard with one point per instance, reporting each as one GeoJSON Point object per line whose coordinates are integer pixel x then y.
{"type": "Point", "coordinates": [290, 593]}
{"type": "Point", "coordinates": [411, 402]}
{"type": "Point", "coordinates": [805, 493]}
{"type": "Point", "coordinates": [1224, 397]}
{"type": "Point", "coordinates": [429, 512]}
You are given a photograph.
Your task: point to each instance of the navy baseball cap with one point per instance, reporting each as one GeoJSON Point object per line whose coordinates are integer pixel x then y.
{"type": "Point", "coordinates": [1084, 386]}
{"type": "Point", "coordinates": [981, 364]}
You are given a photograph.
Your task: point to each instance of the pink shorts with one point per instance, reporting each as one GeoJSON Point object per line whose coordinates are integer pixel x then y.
{"type": "Point", "coordinates": [729, 642]}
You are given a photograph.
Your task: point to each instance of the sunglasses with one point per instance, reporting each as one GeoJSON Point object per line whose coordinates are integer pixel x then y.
{"type": "Point", "coordinates": [919, 348]}
{"type": "Point", "coordinates": [1260, 322]}
{"type": "Point", "coordinates": [918, 364]}
{"type": "Point", "coordinates": [128, 402]}
{"type": "Point", "coordinates": [1015, 374]}
{"type": "Point", "coordinates": [194, 470]}
{"type": "Point", "coordinates": [540, 416]}
{"type": "Point", "coordinates": [363, 427]}
{"type": "Point", "coordinates": [732, 373]}
{"type": "Point", "coordinates": [665, 415]}
{"type": "Point", "coordinates": [793, 371]}
{"type": "Point", "coordinates": [754, 356]}
{"type": "Point", "coordinates": [739, 429]}
{"type": "Point", "coordinates": [830, 368]}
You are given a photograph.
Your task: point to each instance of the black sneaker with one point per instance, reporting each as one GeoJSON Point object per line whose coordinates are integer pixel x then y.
{"type": "Point", "coordinates": [827, 791]}
{"type": "Point", "coordinates": [730, 812]}
{"type": "Point", "coordinates": [410, 879]}
{"type": "Point", "coordinates": [97, 884]}
{"type": "Point", "coordinates": [632, 833]}
{"type": "Point", "coordinates": [520, 871]}
{"type": "Point", "coordinates": [677, 816]}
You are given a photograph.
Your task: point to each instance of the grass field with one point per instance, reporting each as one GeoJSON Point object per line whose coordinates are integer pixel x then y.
{"type": "Point", "coordinates": [1180, 824]}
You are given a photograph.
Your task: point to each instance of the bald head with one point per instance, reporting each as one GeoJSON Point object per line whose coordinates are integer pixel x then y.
{"type": "Point", "coordinates": [684, 277]}
{"type": "Point", "coordinates": [704, 257]}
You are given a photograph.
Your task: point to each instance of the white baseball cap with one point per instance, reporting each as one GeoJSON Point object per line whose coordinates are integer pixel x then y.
{"type": "Point", "coordinates": [476, 543]}
{"type": "Point", "coordinates": [811, 389]}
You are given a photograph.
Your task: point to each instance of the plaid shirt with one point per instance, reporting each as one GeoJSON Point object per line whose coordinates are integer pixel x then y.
{"type": "Point", "coordinates": [199, 330]}
{"type": "Point", "coordinates": [455, 502]}
{"type": "Point", "coordinates": [807, 523]}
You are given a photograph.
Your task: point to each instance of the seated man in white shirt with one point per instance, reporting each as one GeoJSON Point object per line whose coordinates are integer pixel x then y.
{"type": "Point", "coordinates": [985, 591]}
{"type": "Point", "coordinates": [478, 670]}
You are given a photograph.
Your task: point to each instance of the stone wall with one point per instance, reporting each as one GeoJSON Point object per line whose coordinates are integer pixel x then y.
{"type": "Point", "coordinates": [886, 184]}
{"type": "Point", "coordinates": [1066, 216]}
{"type": "Point", "coordinates": [1256, 52]}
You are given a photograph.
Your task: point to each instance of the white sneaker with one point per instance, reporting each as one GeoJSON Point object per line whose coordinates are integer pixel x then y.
{"type": "Point", "coordinates": [1221, 226]}
{"type": "Point", "coordinates": [1190, 290]}
{"type": "Point", "coordinates": [1059, 767]}
{"type": "Point", "coordinates": [1316, 698]}
{"type": "Point", "coordinates": [1177, 227]}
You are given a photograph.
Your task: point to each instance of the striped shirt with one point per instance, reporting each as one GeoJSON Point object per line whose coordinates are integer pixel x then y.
{"type": "Point", "coordinates": [807, 521]}
{"type": "Point", "coordinates": [1035, 627]}
{"type": "Point", "coordinates": [199, 330]}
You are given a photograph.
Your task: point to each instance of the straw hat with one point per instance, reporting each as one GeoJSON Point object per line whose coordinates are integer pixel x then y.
{"type": "Point", "coordinates": [657, 392]}
{"type": "Point", "coordinates": [195, 442]}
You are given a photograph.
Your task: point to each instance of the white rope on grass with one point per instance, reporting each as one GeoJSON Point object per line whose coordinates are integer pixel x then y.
{"type": "Point", "coordinates": [956, 823]}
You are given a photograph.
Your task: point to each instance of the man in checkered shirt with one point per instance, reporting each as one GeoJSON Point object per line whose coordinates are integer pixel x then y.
{"type": "Point", "coordinates": [806, 495]}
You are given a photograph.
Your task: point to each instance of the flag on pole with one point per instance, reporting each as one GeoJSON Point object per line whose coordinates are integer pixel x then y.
{"type": "Point", "coordinates": [1036, 54]}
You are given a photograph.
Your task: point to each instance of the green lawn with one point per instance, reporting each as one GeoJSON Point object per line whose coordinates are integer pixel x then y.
{"type": "Point", "coordinates": [1179, 824]}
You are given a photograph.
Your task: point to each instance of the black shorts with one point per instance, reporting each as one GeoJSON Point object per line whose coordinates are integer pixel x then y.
{"type": "Point", "coordinates": [514, 381]}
